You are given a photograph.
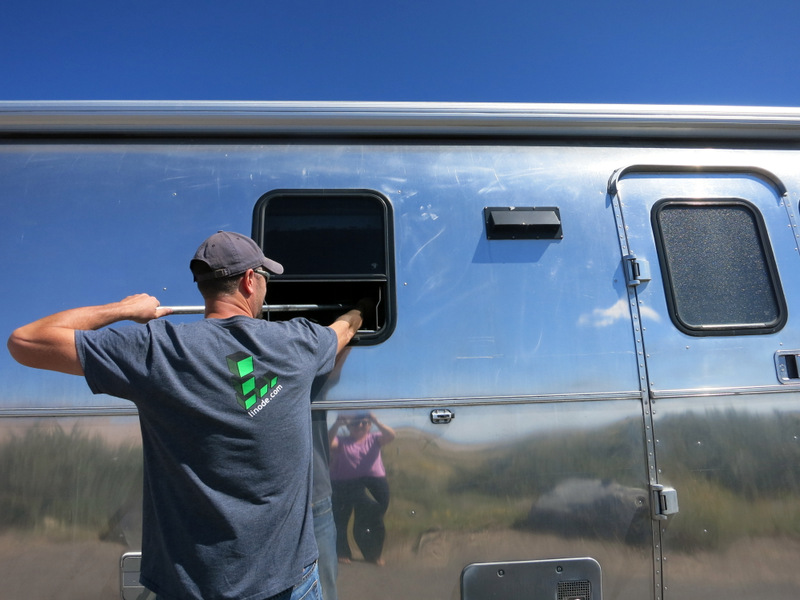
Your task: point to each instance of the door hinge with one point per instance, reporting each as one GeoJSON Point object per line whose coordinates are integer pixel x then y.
{"type": "Point", "coordinates": [637, 270]}
{"type": "Point", "coordinates": [664, 501]}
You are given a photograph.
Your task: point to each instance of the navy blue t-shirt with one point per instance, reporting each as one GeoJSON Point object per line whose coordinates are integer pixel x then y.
{"type": "Point", "coordinates": [224, 408]}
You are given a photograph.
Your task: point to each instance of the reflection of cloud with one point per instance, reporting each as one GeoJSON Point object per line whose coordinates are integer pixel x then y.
{"type": "Point", "coordinates": [603, 317]}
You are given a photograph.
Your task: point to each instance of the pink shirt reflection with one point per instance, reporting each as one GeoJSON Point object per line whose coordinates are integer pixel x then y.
{"type": "Point", "coordinates": [357, 458]}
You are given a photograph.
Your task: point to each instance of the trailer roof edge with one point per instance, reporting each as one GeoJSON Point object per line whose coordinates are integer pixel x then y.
{"type": "Point", "coordinates": [397, 119]}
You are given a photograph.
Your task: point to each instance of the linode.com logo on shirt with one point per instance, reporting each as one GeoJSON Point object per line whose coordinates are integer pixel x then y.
{"type": "Point", "coordinates": [252, 392]}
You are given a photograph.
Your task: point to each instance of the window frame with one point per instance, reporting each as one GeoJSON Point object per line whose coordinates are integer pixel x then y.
{"type": "Point", "coordinates": [385, 281]}
{"type": "Point", "coordinates": [772, 274]}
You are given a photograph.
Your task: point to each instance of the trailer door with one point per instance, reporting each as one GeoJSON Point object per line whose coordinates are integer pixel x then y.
{"type": "Point", "coordinates": [712, 261]}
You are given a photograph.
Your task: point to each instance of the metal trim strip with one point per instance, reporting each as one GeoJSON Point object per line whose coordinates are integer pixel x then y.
{"type": "Point", "coordinates": [109, 411]}
{"type": "Point", "coordinates": [397, 119]}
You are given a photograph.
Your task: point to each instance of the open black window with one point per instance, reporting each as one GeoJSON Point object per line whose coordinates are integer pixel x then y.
{"type": "Point", "coordinates": [336, 248]}
{"type": "Point", "coordinates": [719, 272]}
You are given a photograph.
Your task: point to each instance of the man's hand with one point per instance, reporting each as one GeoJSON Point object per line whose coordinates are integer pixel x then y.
{"type": "Point", "coordinates": [348, 324]}
{"type": "Point", "coordinates": [366, 306]}
{"type": "Point", "coordinates": [142, 308]}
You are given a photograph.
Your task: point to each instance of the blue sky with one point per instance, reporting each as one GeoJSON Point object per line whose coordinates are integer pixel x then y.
{"type": "Point", "coordinates": [619, 51]}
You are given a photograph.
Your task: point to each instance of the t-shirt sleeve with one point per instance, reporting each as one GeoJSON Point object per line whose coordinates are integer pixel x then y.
{"type": "Point", "coordinates": [316, 342]}
{"type": "Point", "coordinates": [328, 345]}
{"type": "Point", "coordinates": [114, 359]}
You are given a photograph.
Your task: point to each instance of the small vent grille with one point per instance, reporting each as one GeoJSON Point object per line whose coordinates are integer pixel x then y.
{"type": "Point", "coordinates": [574, 590]}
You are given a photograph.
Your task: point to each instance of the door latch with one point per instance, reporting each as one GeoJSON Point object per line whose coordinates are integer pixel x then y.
{"type": "Point", "coordinates": [442, 416]}
{"type": "Point", "coordinates": [787, 364]}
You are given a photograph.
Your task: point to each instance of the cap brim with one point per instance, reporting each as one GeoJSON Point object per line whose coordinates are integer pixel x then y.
{"type": "Point", "coordinates": [272, 266]}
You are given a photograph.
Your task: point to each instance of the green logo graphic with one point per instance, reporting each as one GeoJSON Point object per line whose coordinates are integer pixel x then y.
{"type": "Point", "coordinates": [249, 388]}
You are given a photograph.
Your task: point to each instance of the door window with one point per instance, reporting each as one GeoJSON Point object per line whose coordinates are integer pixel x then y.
{"type": "Point", "coordinates": [718, 268]}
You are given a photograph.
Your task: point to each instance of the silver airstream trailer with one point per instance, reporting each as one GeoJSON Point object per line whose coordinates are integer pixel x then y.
{"type": "Point", "coordinates": [585, 337]}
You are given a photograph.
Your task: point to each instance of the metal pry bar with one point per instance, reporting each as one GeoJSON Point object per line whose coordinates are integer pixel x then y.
{"type": "Point", "coordinates": [199, 310]}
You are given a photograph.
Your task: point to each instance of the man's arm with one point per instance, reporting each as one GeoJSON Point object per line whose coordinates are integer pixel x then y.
{"type": "Point", "coordinates": [49, 343]}
{"type": "Point", "coordinates": [347, 325]}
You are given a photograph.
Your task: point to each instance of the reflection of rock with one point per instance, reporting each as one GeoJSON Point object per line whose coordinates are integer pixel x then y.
{"type": "Point", "coordinates": [433, 546]}
{"type": "Point", "coordinates": [593, 508]}
{"type": "Point", "coordinates": [125, 525]}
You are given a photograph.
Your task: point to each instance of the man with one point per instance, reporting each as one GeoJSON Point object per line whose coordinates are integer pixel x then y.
{"type": "Point", "coordinates": [226, 423]}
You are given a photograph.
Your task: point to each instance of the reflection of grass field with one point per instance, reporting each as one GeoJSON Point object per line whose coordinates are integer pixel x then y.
{"type": "Point", "coordinates": [737, 476]}
{"type": "Point", "coordinates": [711, 516]}
{"type": "Point", "coordinates": [466, 513]}
{"type": "Point", "coordinates": [60, 482]}
{"type": "Point", "coordinates": [422, 476]}
{"type": "Point", "coordinates": [752, 489]}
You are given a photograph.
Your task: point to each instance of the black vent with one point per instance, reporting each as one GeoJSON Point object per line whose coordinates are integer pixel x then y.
{"type": "Point", "coordinates": [574, 590]}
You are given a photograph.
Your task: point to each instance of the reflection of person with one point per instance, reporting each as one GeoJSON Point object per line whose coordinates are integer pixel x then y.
{"type": "Point", "coordinates": [225, 417]}
{"type": "Point", "coordinates": [357, 468]}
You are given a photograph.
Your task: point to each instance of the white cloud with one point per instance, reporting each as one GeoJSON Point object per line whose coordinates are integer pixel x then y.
{"type": "Point", "coordinates": [603, 317]}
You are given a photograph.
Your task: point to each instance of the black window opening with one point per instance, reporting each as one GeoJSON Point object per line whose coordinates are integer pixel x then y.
{"type": "Point", "coordinates": [336, 248]}
{"type": "Point", "coordinates": [719, 272]}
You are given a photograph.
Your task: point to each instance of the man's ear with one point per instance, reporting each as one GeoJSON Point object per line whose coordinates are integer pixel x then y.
{"type": "Point", "coordinates": [247, 284]}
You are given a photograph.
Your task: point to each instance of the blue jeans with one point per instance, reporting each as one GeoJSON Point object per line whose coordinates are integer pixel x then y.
{"type": "Point", "coordinates": [308, 588]}
{"type": "Point", "coordinates": [325, 532]}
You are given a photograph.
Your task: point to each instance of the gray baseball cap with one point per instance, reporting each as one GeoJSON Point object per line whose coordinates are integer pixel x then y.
{"type": "Point", "coordinates": [227, 254]}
